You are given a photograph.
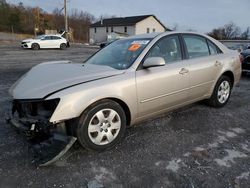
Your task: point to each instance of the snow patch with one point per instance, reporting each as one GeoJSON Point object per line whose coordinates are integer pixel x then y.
{"type": "Point", "coordinates": [230, 134]}
{"type": "Point", "coordinates": [103, 174]}
{"type": "Point", "coordinates": [199, 149]}
{"type": "Point", "coordinates": [244, 175]}
{"type": "Point", "coordinates": [173, 165]}
{"type": "Point", "coordinates": [245, 147]}
{"type": "Point", "coordinates": [187, 154]}
{"type": "Point", "coordinates": [232, 154]}
{"type": "Point", "coordinates": [219, 140]}
{"type": "Point", "coordinates": [158, 163]}
{"type": "Point", "coordinates": [238, 130]}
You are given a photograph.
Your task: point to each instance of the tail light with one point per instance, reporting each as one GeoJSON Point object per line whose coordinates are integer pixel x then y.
{"type": "Point", "coordinates": [241, 58]}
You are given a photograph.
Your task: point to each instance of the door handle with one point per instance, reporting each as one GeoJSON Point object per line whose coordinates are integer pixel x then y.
{"type": "Point", "coordinates": [183, 71]}
{"type": "Point", "coordinates": [217, 64]}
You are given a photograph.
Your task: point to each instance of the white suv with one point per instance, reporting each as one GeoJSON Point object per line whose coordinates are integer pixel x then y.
{"type": "Point", "coordinates": [45, 41]}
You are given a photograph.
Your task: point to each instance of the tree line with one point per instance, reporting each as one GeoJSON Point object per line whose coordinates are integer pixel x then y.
{"type": "Point", "coordinates": [230, 31]}
{"type": "Point", "coordinates": [23, 19]}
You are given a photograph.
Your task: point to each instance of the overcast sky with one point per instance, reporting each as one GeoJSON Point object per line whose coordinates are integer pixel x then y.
{"type": "Point", "coordinates": [199, 15]}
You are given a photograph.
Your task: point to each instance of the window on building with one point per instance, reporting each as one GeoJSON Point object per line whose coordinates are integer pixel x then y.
{"type": "Point", "coordinates": [95, 30]}
{"type": "Point", "coordinates": [154, 30]}
{"type": "Point", "coordinates": [107, 29]}
{"type": "Point", "coordinates": [148, 30]}
{"type": "Point", "coordinates": [125, 29]}
{"type": "Point", "coordinates": [112, 29]}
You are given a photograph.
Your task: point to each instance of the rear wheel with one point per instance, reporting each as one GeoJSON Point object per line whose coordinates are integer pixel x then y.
{"type": "Point", "coordinates": [63, 46]}
{"type": "Point", "coordinates": [221, 93]}
{"type": "Point", "coordinates": [35, 46]}
{"type": "Point", "coordinates": [101, 126]}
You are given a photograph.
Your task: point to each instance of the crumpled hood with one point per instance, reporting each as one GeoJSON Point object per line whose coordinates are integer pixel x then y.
{"type": "Point", "coordinates": [49, 77]}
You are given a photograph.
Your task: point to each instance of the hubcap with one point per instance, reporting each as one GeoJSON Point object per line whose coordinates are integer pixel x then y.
{"type": "Point", "coordinates": [223, 92]}
{"type": "Point", "coordinates": [104, 126]}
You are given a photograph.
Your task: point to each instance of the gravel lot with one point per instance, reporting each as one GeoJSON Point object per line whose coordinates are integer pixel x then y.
{"type": "Point", "coordinates": [196, 146]}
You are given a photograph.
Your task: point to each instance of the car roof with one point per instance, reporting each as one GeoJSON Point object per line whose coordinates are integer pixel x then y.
{"type": "Point", "coordinates": [57, 35]}
{"type": "Point", "coordinates": [148, 35]}
{"type": "Point", "coordinates": [155, 35]}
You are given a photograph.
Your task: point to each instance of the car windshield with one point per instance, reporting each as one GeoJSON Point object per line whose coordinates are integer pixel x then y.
{"type": "Point", "coordinates": [119, 54]}
{"type": "Point", "coordinates": [39, 37]}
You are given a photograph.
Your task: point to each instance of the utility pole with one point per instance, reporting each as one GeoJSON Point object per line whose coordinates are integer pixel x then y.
{"type": "Point", "coordinates": [66, 19]}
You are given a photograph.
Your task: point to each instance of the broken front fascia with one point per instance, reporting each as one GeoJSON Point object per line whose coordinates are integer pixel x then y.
{"type": "Point", "coordinates": [50, 141]}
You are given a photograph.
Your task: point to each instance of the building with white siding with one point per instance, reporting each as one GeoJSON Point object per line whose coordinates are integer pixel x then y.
{"type": "Point", "coordinates": [133, 25]}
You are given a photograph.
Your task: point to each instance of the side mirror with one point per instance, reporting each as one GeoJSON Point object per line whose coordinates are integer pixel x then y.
{"type": "Point", "coordinates": [154, 62]}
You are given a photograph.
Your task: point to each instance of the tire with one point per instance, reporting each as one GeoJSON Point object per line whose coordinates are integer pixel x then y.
{"type": "Point", "coordinates": [35, 46]}
{"type": "Point", "coordinates": [63, 46]}
{"type": "Point", "coordinates": [221, 93]}
{"type": "Point", "coordinates": [101, 126]}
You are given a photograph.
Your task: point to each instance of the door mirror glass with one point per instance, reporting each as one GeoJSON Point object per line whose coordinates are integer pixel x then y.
{"type": "Point", "coordinates": [154, 62]}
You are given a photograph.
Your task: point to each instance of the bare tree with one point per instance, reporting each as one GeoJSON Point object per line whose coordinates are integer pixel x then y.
{"type": "Point", "coordinates": [246, 34]}
{"type": "Point", "coordinates": [228, 31]}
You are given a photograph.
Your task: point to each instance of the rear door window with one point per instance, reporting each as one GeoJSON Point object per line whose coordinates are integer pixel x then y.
{"type": "Point", "coordinates": [55, 37]}
{"type": "Point", "coordinates": [196, 46]}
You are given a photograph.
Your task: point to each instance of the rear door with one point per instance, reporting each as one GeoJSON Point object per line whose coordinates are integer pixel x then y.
{"type": "Point", "coordinates": [159, 88]}
{"type": "Point", "coordinates": [205, 64]}
{"type": "Point", "coordinates": [56, 41]}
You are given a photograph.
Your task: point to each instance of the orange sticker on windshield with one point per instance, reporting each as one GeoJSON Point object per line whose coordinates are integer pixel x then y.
{"type": "Point", "coordinates": [134, 47]}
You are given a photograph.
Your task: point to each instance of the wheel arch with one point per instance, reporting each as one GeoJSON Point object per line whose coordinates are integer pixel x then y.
{"type": "Point", "coordinates": [36, 44]}
{"type": "Point", "coordinates": [124, 107]}
{"type": "Point", "coordinates": [230, 75]}
{"type": "Point", "coordinates": [117, 100]}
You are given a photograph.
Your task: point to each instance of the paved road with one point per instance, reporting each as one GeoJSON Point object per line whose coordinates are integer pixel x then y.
{"type": "Point", "coordinates": [196, 146]}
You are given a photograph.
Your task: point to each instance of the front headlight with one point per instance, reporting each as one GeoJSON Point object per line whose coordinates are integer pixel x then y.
{"type": "Point", "coordinates": [35, 108]}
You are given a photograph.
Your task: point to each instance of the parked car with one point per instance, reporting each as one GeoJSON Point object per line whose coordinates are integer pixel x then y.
{"type": "Point", "coordinates": [246, 60]}
{"type": "Point", "coordinates": [127, 82]}
{"type": "Point", "coordinates": [45, 41]}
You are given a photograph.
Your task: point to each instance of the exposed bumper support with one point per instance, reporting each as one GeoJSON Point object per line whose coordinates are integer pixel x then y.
{"type": "Point", "coordinates": [46, 151]}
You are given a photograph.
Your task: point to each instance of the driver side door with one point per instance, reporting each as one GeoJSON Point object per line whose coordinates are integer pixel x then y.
{"type": "Point", "coordinates": [45, 42]}
{"type": "Point", "coordinates": [163, 87]}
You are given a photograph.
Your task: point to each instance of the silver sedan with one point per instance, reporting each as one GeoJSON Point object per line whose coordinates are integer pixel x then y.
{"type": "Point", "coordinates": [126, 82]}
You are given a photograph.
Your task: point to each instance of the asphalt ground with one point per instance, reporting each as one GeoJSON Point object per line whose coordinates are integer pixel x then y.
{"type": "Point", "coordinates": [195, 146]}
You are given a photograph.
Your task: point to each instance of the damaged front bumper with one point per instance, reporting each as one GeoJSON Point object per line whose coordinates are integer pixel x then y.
{"type": "Point", "coordinates": [48, 141]}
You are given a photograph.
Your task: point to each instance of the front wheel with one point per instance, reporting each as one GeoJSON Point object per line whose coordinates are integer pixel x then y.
{"type": "Point", "coordinates": [35, 46]}
{"type": "Point", "coordinates": [101, 126]}
{"type": "Point", "coordinates": [221, 93]}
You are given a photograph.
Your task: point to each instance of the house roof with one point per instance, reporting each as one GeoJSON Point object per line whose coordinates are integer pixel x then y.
{"type": "Point", "coordinates": [123, 21]}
